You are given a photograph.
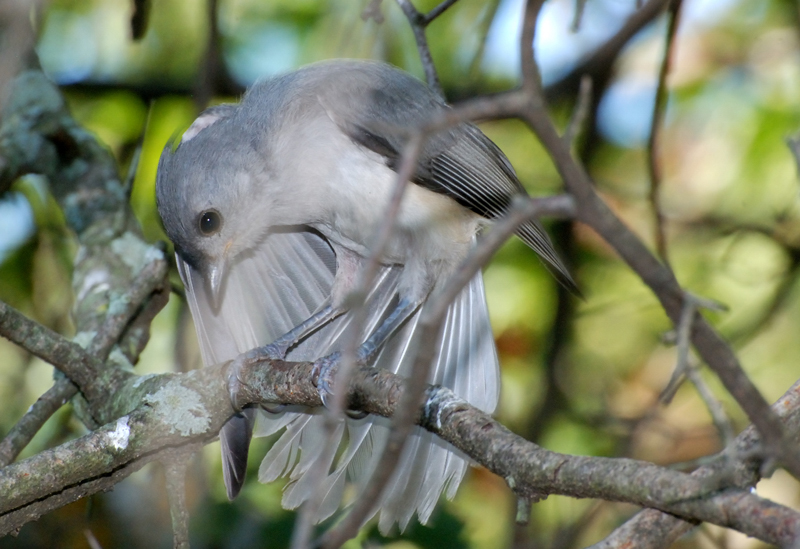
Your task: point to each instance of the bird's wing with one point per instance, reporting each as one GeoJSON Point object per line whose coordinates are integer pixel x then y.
{"type": "Point", "coordinates": [461, 163]}
{"type": "Point", "coordinates": [466, 362]}
{"type": "Point", "coordinates": [281, 283]}
{"type": "Point", "coordinates": [266, 293]}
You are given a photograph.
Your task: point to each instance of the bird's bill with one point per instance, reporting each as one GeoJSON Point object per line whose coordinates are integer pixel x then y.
{"type": "Point", "coordinates": [215, 277]}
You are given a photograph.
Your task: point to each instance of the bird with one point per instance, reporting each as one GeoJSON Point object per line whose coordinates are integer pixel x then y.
{"type": "Point", "coordinates": [272, 205]}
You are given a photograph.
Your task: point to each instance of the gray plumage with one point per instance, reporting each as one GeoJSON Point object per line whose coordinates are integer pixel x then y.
{"type": "Point", "coordinates": [272, 204]}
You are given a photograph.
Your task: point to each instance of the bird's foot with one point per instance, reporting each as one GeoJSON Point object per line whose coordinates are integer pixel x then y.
{"type": "Point", "coordinates": [323, 374]}
{"type": "Point", "coordinates": [246, 360]}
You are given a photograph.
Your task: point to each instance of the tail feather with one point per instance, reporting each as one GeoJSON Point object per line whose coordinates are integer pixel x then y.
{"type": "Point", "coordinates": [235, 439]}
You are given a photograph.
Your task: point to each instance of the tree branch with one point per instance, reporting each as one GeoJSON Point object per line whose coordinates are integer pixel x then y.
{"type": "Point", "coordinates": [711, 347]}
{"type": "Point", "coordinates": [656, 121]}
{"type": "Point", "coordinates": [531, 470]}
{"type": "Point", "coordinates": [33, 420]}
{"type": "Point", "coordinates": [69, 358]}
{"type": "Point", "coordinates": [735, 462]}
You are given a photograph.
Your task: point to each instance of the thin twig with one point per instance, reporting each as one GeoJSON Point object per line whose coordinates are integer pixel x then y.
{"type": "Point", "coordinates": [657, 121]}
{"type": "Point", "coordinates": [26, 428]}
{"type": "Point", "coordinates": [417, 23]}
{"type": "Point", "coordinates": [127, 185]}
{"type": "Point", "coordinates": [91, 539]}
{"type": "Point", "coordinates": [581, 111]}
{"type": "Point", "coordinates": [683, 343]}
{"type": "Point", "coordinates": [580, 8]}
{"type": "Point", "coordinates": [530, 72]}
{"type": "Point", "coordinates": [715, 408]}
{"type": "Point", "coordinates": [599, 65]}
{"type": "Point", "coordinates": [437, 11]}
{"type": "Point", "coordinates": [175, 466]}
{"type": "Point", "coordinates": [684, 367]}
{"type": "Point", "coordinates": [483, 32]}
{"type": "Point", "coordinates": [18, 41]}
{"type": "Point", "coordinates": [211, 65]}
{"type": "Point", "coordinates": [80, 366]}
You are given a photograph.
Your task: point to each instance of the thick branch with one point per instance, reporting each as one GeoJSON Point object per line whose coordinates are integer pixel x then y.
{"type": "Point", "coordinates": [166, 412]}
{"type": "Point", "coordinates": [530, 469]}
{"type": "Point", "coordinates": [116, 273]}
{"type": "Point", "coordinates": [190, 408]}
{"type": "Point", "coordinates": [743, 473]}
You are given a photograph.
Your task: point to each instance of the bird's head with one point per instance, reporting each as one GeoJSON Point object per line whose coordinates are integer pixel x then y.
{"type": "Point", "coordinates": [205, 191]}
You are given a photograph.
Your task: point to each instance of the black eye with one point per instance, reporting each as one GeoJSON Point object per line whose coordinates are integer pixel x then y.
{"type": "Point", "coordinates": [210, 222]}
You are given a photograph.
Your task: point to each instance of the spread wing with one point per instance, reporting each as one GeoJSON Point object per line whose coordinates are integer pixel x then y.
{"type": "Point", "coordinates": [280, 284]}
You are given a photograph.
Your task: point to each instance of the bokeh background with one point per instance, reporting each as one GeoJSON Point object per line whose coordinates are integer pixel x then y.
{"type": "Point", "coordinates": [578, 376]}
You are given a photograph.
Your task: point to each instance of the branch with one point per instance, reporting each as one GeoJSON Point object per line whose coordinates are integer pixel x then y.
{"type": "Point", "coordinates": [418, 22]}
{"type": "Point", "coordinates": [711, 347]}
{"type": "Point", "coordinates": [662, 528]}
{"type": "Point", "coordinates": [600, 64]}
{"type": "Point", "coordinates": [33, 420]}
{"type": "Point", "coordinates": [118, 279]}
{"type": "Point", "coordinates": [656, 121]}
{"type": "Point", "coordinates": [18, 41]}
{"type": "Point", "coordinates": [531, 470]}
{"type": "Point", "coordinates": [178, 410]}
{"type": "Point", "coordinates": [69, 358]}
{"type": "Point", "coordinates": [170, 411]}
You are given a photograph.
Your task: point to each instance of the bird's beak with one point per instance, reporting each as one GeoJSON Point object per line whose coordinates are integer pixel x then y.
{"type": "Point", "coordinates": [216, 274]}
{"type": "Point", "coordinates": [216, 277]}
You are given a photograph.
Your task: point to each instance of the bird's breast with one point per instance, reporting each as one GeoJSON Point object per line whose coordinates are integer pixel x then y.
{"type": "Point", "coordinates": [429, 227]}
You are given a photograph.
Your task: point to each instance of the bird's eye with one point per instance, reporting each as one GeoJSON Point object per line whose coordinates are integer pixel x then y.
{"type": "Point", "coordinates": [210, 222]}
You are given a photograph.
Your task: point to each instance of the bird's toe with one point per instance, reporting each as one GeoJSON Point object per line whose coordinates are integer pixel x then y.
{"type": "Point", "coordinates": [324, 373]}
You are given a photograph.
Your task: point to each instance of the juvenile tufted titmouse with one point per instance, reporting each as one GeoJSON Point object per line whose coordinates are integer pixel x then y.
{"type": "Point", "coordinates": [272, 204]}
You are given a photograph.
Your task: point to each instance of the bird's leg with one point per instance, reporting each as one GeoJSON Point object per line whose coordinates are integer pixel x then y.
{"type": "Point", "coordinates": [277, 349]}
{"type": "Point", "coordinates": [325, 368]}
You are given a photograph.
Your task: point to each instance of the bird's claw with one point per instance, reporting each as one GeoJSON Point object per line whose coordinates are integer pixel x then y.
{"type": "Point", "coordinates": [324, 372]}
{"type": "Point", "coordinates": [245, 360]}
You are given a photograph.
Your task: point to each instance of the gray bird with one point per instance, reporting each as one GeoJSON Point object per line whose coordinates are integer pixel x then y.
{"type": "Point", "coordinates": [272, 205]}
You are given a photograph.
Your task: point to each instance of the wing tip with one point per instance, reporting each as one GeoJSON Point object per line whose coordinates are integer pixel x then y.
{"type": "Point", "coordinates": [534, 235]}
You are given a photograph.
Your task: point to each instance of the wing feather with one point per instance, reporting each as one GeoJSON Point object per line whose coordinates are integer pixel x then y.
{"type": "Point", "coordinates": [460, 162]}
{"type": "Point", "coordinates": [284, 281]}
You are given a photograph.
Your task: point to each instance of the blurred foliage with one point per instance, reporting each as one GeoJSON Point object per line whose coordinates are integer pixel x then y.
{"type": "Point", "coordinates": [586, 381]}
